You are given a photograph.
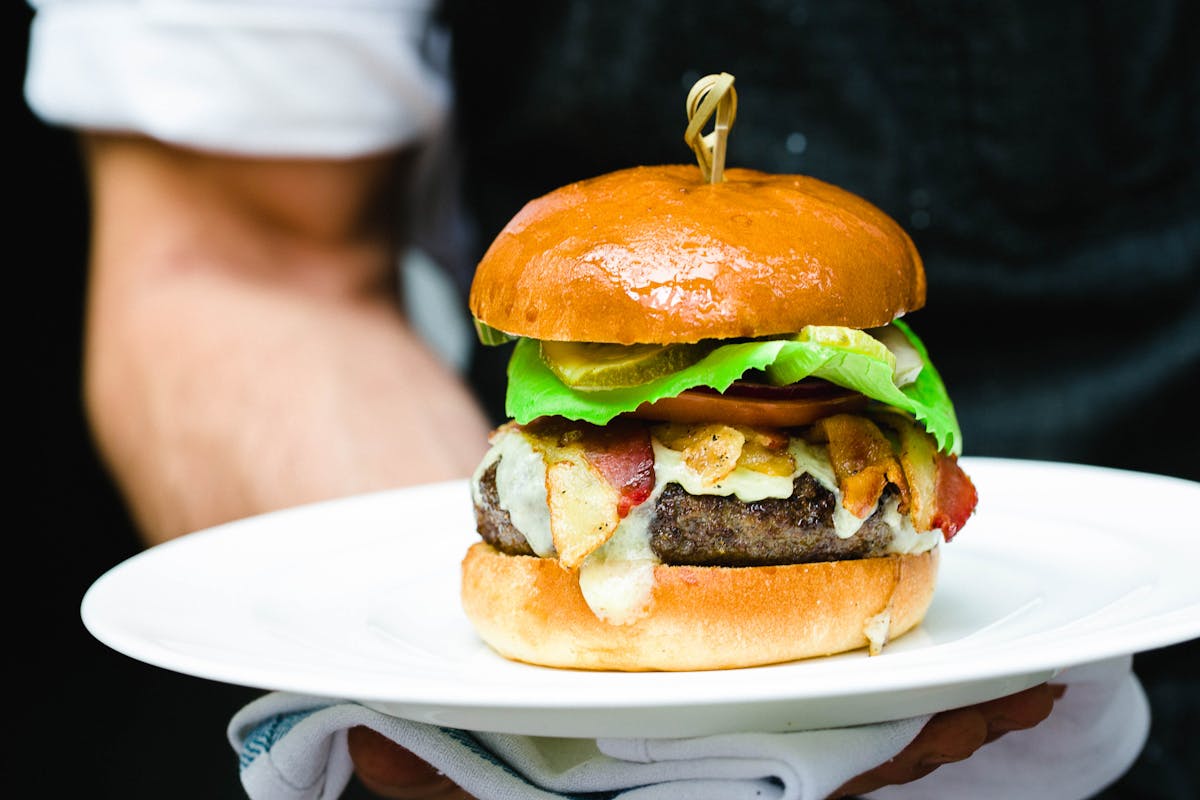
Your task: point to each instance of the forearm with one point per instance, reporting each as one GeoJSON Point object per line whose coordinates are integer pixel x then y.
{"type": "Point", "coordinates": [243, 358]}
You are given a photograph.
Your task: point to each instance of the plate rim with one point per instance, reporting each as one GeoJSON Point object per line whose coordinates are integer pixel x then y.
{"type": "Point", "coordinates": [1183, 623]}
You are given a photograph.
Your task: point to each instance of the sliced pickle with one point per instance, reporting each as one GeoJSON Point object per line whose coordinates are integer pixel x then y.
{"type": "Point", "coordinates": [593, 366]}
{"type": "Point", "coordinates": [851, 339]}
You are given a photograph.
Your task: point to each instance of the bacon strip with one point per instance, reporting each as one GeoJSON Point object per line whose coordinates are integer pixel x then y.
{"type": "Point", "coordinates": [863, 462]}
{"type": "Point", "coordinates": [622, 453]}
{"type": "Point", "coordinates": [594, 476]}
{"type": "Point", "coordinates": [943, 497]}
{"type": "Point", "coordinates": [956, 497]}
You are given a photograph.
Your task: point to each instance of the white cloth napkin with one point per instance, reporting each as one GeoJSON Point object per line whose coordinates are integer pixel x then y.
{"type": "Point", "coordinates": [293, 747]}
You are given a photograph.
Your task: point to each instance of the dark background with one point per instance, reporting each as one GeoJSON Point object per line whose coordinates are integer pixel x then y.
{"type": "Point", "coordinates": [90, 721]}
{"type": "Point", "coordinates": [93, 722]}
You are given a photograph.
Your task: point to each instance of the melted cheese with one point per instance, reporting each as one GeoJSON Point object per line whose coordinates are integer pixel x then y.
{"type": "Point", "coordinates": [618, 592]}
{"type": "Point", "coordinates": [744, 484]}
{"type": "Point", "coordinates": [905, 538]}
{"type": "Point", "coordinates": [877, 629]}
{"type": "Point", "coordinates": [617, 580]}
{"type": "Point", "coordinates": [521, 487]}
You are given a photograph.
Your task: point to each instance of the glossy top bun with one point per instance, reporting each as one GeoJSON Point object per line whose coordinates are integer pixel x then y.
{"type": "Point", "coordinates": [655, 254]}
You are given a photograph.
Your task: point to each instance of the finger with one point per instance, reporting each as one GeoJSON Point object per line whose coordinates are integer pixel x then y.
{"type": "Point", "coordinates": [388, 770]}
{"type": "Point", "coordinates": [948, 736]}
{"type": "Point", "coordinates": [1018, 711]}
{"type": "Point", "coordinates": [954, 735]}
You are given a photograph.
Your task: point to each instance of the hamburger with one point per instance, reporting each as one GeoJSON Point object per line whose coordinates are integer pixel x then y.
{"type": "Point", "coordinates": [725, 446]}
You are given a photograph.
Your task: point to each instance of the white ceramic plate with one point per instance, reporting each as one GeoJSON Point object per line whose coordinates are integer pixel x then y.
{"type": "Point", "coordinates": [358, 599]}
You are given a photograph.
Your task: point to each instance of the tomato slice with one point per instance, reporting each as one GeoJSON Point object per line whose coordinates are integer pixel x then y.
{"type": "Point", "coordinates": [760, 405]}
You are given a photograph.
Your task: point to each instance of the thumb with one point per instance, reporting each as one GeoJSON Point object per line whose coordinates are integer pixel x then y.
{"type": "Point", "coordinates": [386, 769]}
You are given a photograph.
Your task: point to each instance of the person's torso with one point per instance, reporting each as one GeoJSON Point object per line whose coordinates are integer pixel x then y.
{"type": "Point", "coordinates": [1043, 157]}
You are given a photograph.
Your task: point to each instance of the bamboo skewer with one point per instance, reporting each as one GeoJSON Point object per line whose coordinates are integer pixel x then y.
{"type": "Point", "coordinates": [709, 96]}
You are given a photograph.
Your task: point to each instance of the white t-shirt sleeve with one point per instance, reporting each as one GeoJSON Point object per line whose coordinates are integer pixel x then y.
{"type": "Point", "coordinates": [322, 78]}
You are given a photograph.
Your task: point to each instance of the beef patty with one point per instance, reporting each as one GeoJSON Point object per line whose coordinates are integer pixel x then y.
{"type": "Point", "coordinates": [710, 530]}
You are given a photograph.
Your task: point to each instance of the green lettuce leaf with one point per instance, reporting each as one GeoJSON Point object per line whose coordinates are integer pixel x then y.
{"type": "Point", "coordinates": [535, 391]}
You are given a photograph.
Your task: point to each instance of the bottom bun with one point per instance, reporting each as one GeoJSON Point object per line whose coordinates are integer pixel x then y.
{"type": "Point", "coordinates": [700, 618]}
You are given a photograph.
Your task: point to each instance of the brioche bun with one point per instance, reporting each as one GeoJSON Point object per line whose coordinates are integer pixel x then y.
{"type": "Point", "coordinates": [655, 254]}
{"type": "Point", "coordinates": [700, 618]}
